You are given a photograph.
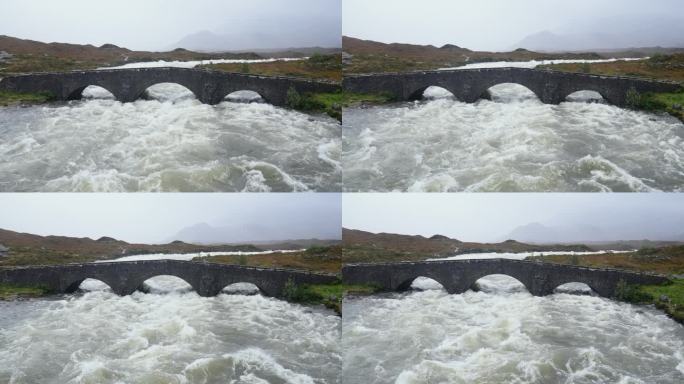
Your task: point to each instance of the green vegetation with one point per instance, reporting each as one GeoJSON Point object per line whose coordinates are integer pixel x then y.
{"type": "Point", "coordinates": [12, 292]}
{"type": "Point", "coordinates": [332, 103]}
{"type": "Point", "coordinates": [672, 103]}
{"type": "Point", "coordinates": [666, 260]}
{"type": "Point", "coordinates": [13, 98]}
{"type": "Point", "coordinates": [330, 295]}
{"type": "Point", "coordinates": [667, 297]}
{"type": "Point", "coordinates": [658, 67]}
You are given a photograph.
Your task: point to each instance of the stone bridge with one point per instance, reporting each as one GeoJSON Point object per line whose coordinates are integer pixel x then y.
{"type": "Point", "coordinates": [127, 85]}
{"type": "Point", "coordinates": [458, 276]}
{"type": "Point", "coordinates": [469, 85]}
{"type": "Point", "coordinates": [207, 279]}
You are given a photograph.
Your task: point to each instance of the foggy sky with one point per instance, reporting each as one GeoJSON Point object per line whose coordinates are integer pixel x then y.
{"type": "Point", "coordinates": [156, 217]}
{"type": "Point", "coordinates": [490, 217]}
{"type": "Point", "coordinates": [157, 24]}
{"type": "Point", "coordinates": [495, 24]}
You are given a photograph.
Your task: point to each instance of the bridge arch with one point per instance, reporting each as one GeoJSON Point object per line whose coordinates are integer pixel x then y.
{"type": "Point", "coordinates": [499, 282]}
{"type": "Point", "coordinates": [575, 287]}
{"type": "Point", "coordinates": [91, 91]}
{"type": "Point", "coordinates": [421, 283]}
{"type": "Point", "coordinates": [244, 96]}
{"type": "Point", "coordinates": [510, 91]}
{"type": "Point", "coordinates": [586, 96]}
{"type": "Point", "coordinates": [167, 91]}
{"type": "Point", "coordinates": [242, 288]}
{"type": "Point", "coordinates": [89, 283]}
{"type": "Point", "coordinates": [165, 283]}
{"type": "Point", "coordinates": [432, 92]}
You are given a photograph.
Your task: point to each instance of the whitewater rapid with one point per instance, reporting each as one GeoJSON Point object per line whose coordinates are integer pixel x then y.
{"type": "Point", "coordinates": [168, 335]}
{"type": "Point", "coordinates": [194, 63]}
{"type": "Point", "coordinates": [171, 142]}
{"type": "Point", "coordinates": [513, 142]}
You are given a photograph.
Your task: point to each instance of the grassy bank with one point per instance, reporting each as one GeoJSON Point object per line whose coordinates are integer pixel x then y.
{"type": "Point", "coordinates": [665, 260]}
{"type": "Point", "coordinates": [13, 292]}
{"type": "Point", "coordinates": [672, 103]}
{"type": "Point", "coordinates": [668, 298]}
{"type": "Point", "coordinates": [319, 67]}
{"type": "Point", "coordinates": [330, 295]}
{"type": "Point", "coordinates": [658, 67]}
{"type": "Point", "coordinates": [327, 259]}
{"type": "Point", "coordinates": [332, 103]}
{"type": "Point", "coordinates": [15, 98]}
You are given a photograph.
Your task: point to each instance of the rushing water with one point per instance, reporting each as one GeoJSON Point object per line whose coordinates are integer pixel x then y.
{"type": "Point", "coordinates": [194, 63]}
{"type": "Point", "coordinates": [171, 142]}
{"type": "Point", "coordinates": [513, 142]}
{"type": "Point", "coordinates": [169, 335]}
{"type": "Point", "coordinates": [503, 334]}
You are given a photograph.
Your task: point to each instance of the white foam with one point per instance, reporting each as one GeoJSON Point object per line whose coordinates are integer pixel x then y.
{"type": "Point", "coordinates": [170, 143]}
{"type": "Point", "coordinates": [177, 337]}
{"type": "Point", "coordinates": [194, 63]}
{"type": "Point", "coordinates": [504, 334]}
{"type": "Point", "coordinates": [511, 143]}
{"type": "Point", "coordinates": [534, 63]}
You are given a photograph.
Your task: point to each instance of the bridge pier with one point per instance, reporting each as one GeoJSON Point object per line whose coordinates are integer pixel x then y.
{"type": "Point", "coordinates": [458, 276]}
{"type": "Point", "coordinates": [127, 85]}
{"type": "Point", "coordinates": [469, 85]}
{"type": "Point", "coordinates": [124, 278]}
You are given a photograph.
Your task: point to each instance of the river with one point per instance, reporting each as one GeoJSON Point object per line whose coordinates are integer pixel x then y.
{"type": "Point", "coordinates": [170, 142]}
{"type": "Point", "coordinates": [169, 335]}
{"type": "Point", "coordinates": [503, 334]}
{"type": "Point", "coordinates": [513, 142]}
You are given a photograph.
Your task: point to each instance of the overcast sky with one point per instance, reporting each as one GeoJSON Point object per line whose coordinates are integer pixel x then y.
{"type": "Point", "coordinates": [157, 24]}
{"type": "Point", "coordinates": [157, 217]}
{"type": "Point", "coordinates": [492, 24]}
{"type": "Point", "coordinates": [490, 217]}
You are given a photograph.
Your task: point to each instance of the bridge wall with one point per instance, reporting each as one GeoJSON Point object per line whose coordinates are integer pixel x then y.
{"type": "Point", "coordinates": [208, 279]}
{"type": "Point", "coordinates": [127, 85]}
{"type": "Point", "coordinates": [469, 85]}
{"type": "Point", "coordinates": [457, 276]}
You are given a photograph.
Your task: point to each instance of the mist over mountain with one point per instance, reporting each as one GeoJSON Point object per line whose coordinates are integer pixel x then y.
{"type": "Point", "coordinates": [585, 233]}
{"type": "Point", "coordinates": [268, 33]}
{"type": "Point", "coordinates": [203, 233]}
{"type": "Point", "coordinates": [609, 34]}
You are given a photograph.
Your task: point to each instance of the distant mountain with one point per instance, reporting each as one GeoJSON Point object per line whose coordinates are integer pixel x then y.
{"type": "Point", "coordinates": [609, 34]}
{"type": "Point", "coordinates": [542, 234]}
{"type": "Point", "coordinates": [374, 56]}
{"type": "Point", "coordinates": [26, 248]}
{"type": "Point", "coordinates": [264, 233]}
{"type": "Point", "coordinates": [85, 56]}
{"type": "Point", "coordinates": [439, 245]}
{"type": "Point", "coordinates": [260, 40]}
{"type": "Point", "coordinates": [590, 234]}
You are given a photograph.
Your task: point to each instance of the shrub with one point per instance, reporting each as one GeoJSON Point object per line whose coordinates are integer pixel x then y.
{"type": "Point", "coordinates": [633, 98]}
{"type": "Point", "coordinates": [631, 293]}
{"type": "Point", "coordinates": [244, 68]}
{"type": "Point", "coordinates": [242, 260]}
{"type": "Point", "coordinates": [585, 68]}
{"type": "Point", "coordinates": [293, 99]}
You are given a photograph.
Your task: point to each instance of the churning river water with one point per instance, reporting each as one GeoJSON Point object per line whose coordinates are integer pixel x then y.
{"type": "Point", "coordinates": [503, 334]}
{"type": "Point", "coordinates": [170, 142]}
{"type": "Point", "coordinates": [169, 335]}
{"type": "Point", "coordinates": [513, 142]}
